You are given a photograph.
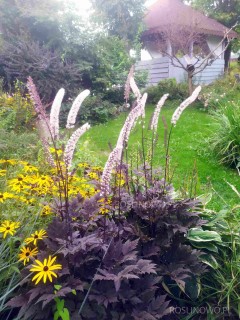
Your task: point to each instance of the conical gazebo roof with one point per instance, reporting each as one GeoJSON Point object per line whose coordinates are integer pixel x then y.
{"type": "Point", "coordinates": [173, 12]}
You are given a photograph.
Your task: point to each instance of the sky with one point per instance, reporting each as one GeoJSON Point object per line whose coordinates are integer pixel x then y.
{"type": "Point", "coordinates": [84, 5]}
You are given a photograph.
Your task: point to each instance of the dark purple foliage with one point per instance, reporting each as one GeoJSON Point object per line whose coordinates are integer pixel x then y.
{"type": "Point", "coordinates": [134, 259]}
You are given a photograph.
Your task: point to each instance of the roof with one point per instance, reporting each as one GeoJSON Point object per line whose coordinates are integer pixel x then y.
{"type": "Point", "coordinates": [173, 12]}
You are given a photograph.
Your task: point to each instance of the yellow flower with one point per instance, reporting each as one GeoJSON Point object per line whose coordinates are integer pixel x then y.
{"type": "Point", "coordinates": [83, 165]}
{"type": "Point", "coordinates": [43, 181]}
{"type": "Point", "coordinates": [29, 168]}
{"type": "Point", "coordinates": [9, 161]}
{"type": "Point", "coordinates": [45, 270]}
{"type": "Point", "coordinates": [26, 254]}
{"type": "Point", "coordinates": [93, 175]}
{"type": "Point", "coordinates": [8, 227]}
{"type": "Point", "coordinates": [37, 235]}
{"type": "Point", "coordinates": [17, 184]}
{"type": "Point", "coordinates": [97, 168]}
{"type": "Point", "coordinates": [3, 173]}
{"type": "Point", "coordinates": [5, 195]}
{"type": "Point", "coordinates": [46, 210]}
{"type": "Point", "coordinates": [53, 151]}
{"type": "Point", "coordinates": [105, 205]}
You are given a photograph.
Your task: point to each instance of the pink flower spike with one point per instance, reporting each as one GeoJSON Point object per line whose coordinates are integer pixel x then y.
{"type": "Point", "coordinates": [55, 110]}
{"type": "Point", "coordinates": [75, 108]}
{"type": "Point", "coordinates": [185, 104]}
{"type": "Point", "coordinates": [157, 110]}
{"type": "Point", "coordinates": [71, 144]}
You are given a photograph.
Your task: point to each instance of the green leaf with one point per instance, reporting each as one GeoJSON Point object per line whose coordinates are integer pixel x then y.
{"type": "Point", "coordinates": [192, 287]}
{"type": "Point", "coordinates": [74, 292]}
{"type": "Point", "coordinates": [199, 235]}
{"type": "Point", "coordinates": [65, 314]}
{"type": "Point", "coordinates": [60, 305]}
{"type": "Point", "coordinates": [14, 268]}
{"type": "Point", "coordinates": [205, 198]}
{"type": "Point", "coordinates": [209, 260]}
{"type": "Point", "coordinates": [57, 286]}
{"type": "Point", "coordinates": [205, 245]}
{"type": "Point", "coordinates": [56, 315]}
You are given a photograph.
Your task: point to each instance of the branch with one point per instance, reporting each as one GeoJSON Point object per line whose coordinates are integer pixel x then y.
{"type": "Point", "coordinates": [205, 61]}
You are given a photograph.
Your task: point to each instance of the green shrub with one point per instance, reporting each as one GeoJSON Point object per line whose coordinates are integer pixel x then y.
{"type": "Point", "coordinates": [16, 110]}
{"type": "Point", "coordinates": [225, 140]}
{"type": "Point", "coordinates": [220, 91]}
{"type": "Point", "coordinates": [221, 242]}
{"type": "Point", "coordinates": [94, 110]}
{"type": "Point", "coordinates": [177, 91]}
{"type": "Point", "coordinates": [14, 145]}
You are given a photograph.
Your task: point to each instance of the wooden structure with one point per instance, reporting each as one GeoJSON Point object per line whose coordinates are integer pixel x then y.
{"type": "Point", "coordinates": [176, 29]}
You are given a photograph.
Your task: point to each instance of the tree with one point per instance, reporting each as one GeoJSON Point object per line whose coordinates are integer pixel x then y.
{"type": "Point", "coordinates": [121, 18]}
{"type": "Point", "coordinates": [225, 11]}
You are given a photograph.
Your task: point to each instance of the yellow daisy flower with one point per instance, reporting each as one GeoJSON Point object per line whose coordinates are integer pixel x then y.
{"type": "Point", "coordinates": [46, 210]}
{"type": "Point", "coordinates": [9, 161]}
{"type": "Point", "coordinates": [17, 184]}
{"type": "Point", "coordinates": [44, 181]}
{"type": "Point", "coordinates": [93, 175]}
{"type": "Point", "coordinates": [37, 235]}
{"type": "Point", "coordinates": [26, 254]}
{"type": "Point", "coordinates": [45, 270]}
{"type": "Point", "coordinates": [5, 195]}
{"type": "Point", "coordinates": [9, 227]}
{"type": "Point", "coordinates": [3, 173]}
{"type": "Point", "coordinates": [53, 151]}
{"type": "Point", "coordinates": [29, 168]}
{"type": "Point", "coordinates": [83, 165]}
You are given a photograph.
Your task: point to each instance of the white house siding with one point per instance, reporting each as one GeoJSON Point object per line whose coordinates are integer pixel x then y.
{"type": "Point", "coordinates": [158, 69]}
{"type": "Point", "coordinates": [161, 68]}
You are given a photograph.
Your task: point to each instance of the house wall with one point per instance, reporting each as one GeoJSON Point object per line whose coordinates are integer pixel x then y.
{"type": "Point", "coordinates": [158, 69]}
{"type": "Point", "coordinates": [161, 68]}
{"type": "Point", "coordinates": [213, 43]}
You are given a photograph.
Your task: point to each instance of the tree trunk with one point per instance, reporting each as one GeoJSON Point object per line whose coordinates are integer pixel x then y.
{"type": "Point", "coordinates": [227, 55]}
{"type": "Point", "coordinates": [190, 83]}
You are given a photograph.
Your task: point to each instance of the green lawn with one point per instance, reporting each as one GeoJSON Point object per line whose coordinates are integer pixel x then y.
{"type": "Point", "coordinates": [189, 152]}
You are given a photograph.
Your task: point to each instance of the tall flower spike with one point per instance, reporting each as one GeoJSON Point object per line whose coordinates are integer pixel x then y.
{"type": "Point", "coordinates": [113, 159]}
{"type": "Point", "coordinates": [75, 107]}
{"type": "Point", "coordinates": [137, 112]}
{"type": "Point", "coordinates": [71, 144]}
{"type": "Point", "coordinates": [134, 88]}
{"type": "Point", "coordinates": [157, 110]}
{"type": "Point", "coordinates": [184, 105]}
{"type": "Point", "coordinates": [54, 115]}
{"type": "Point", "coordinates": [115, 156]}
{"type": "Point", "coordinates": [47, 152]}
{"type": "Point", "coordinates": [36, 99]}
{"type": "Point", "coordinates": [127, 84]}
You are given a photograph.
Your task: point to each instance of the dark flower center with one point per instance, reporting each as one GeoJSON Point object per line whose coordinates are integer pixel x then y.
{"type": "Point", "coordinates": [8, 228]}
{"type": "Point", "coordinates": [20, 179]}
{"type": "Point", "coordinates": [45, 268]}
{"type": "Point", "coordinates": [36, 236]}
{"type": "Point", "coordinates": [27, 254]}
